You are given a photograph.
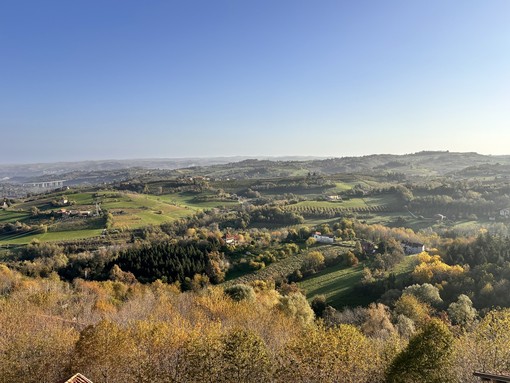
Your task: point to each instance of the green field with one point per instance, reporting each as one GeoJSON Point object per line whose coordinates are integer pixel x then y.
{"type": "Point", "coordinates": [130, 210]}
{"type": "Point", "coordinates": [187, 199]}
{"type": "Point", "coordinates": [12, 216]}
{"type": "Point", "coordinates": [21, 239]}
{"type": "Point", "coordinates": [136, 210]}
{"type": "Point", "coordinates": [337, 283]}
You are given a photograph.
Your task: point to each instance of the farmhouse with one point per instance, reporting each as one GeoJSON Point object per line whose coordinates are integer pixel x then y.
{"type": "Point", "coordinates": [231, 239]}
{"type": "Point", "coordinates": [322, 238]}
{"type": "Point", "coordinates": [81, 213]}
{"type": "Point", "coordinates": [413, 247]}
{"type": "Point", "coordinates": [63, 212]}
{"type": "Point", "coordinates": [333, 198]}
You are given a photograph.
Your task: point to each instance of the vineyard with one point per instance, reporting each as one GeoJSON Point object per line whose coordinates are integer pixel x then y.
{"type": "Point", "coordinates": [330, 212]}
{"type": "Point", "coordinates": [281, 269]}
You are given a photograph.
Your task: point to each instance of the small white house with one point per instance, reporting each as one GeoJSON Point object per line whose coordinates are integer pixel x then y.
{"type": "Point", "coordinates": [505, 213]}
{"type": "Point", "coordinates": [323, 238]}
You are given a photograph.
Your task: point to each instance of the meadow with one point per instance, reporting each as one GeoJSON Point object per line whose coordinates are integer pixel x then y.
{"type": "Point", "coordinates": [337, 283]}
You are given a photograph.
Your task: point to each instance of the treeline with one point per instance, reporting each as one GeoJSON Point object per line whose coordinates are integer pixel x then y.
{"type": "Point", "coordinates": [21, 228]}
{"type": "Point", "coordinates": [459, 199]}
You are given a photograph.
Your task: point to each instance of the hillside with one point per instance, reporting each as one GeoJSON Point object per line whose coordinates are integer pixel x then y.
{"type": "Point", "coordinates": [422, 164]}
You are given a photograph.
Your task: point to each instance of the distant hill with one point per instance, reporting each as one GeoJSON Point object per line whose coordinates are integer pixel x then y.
{"type": "Point", "coordinates": [38, 170]}
{"type": "Point", "coordinates": [421, 164]}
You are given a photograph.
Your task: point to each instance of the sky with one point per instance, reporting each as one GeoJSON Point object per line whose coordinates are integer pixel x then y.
{"type": "Point", "coordinates": [104, 79]}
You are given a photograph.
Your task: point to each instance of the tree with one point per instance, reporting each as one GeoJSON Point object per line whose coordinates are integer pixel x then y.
{"type": "Point", "coordinates": [358, 249]}
{"type": "Point", "coordinates": [296, 306]}
{"type": "Point", "coordinates": [310, 242]}
{"type": "Point", "coordinates": [462, 312]}
{"type": "Point", "coordinates": [328, 355]}
{"type": "Point", "coordinates": [240, 292]}
{"type": "Point", "coordinates": [104, 353]}
{"type": "Point", "coordinates": [378, 323]}
{"type": "Point", "coordinates": [319, 305]}
{"type": "Point", "coordinates": [349, 259]}
{"type": "Point", "coordinates": [427, 358]}
{"type": "Point", "coordinates": [313, 261]}
{"type": "Point", "coordinates": [425, 293]}
{"type": "Point", "coordinates": [492, 342]}
{"type": "Point", "coordinates": [158, 351]}
{"type": "Point", "coordinates": [409, 306]}
{"type": "Point", "coordinates": [245, 357]}
{"type": "Point", "coordinates": [109, 220]}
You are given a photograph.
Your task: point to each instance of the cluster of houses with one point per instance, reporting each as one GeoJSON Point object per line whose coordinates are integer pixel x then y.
{"type": "Point", "coordinates": [74, 213]}
{"type": "Point", "coordinates": [63, 212]}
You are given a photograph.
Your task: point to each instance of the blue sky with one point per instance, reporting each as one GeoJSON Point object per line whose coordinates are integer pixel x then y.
{"type": "Point", "coordinates": [87, 79]}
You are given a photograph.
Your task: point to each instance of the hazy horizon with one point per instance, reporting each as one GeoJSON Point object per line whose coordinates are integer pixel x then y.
{"type": "Point", "coordinates": [97, 80]}
{"type": "Point", "coordinates": [238, 157]}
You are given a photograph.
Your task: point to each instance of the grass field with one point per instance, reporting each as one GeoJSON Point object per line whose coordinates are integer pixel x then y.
{"type": "Point", "coordinates": [186, 199]}
{"type": "Point", "coordinates": [136, 210]}
{"type": "Point", "coordinates": [130, 210]}
{"type": "Point", "coordinates": [12, 216]}
{"type": "Point", "coordinates": [337, 283]}
{"type": "Point", "coordinates": [404, 268]}
{"type": "Point", "coordinates": [50, 236]}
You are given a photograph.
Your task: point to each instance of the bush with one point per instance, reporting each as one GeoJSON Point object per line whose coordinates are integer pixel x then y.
{"type": "Point", "coordinates": [240, 292]}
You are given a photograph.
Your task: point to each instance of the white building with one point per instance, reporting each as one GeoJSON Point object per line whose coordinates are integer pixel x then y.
{"type": "Point", "coordinates": [323, 238]}
{"type": "Point", "coordinates": [413, 248]}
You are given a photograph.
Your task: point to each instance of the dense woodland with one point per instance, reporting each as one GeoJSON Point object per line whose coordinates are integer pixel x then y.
{"type": "Point", "coordinates": [130, 332]}
{"type": "Point", "coordinates": [197, 278]}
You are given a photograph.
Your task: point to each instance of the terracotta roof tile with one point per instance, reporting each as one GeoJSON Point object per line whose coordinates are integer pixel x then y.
{"type": "Point", "coordinates": [77, 378]}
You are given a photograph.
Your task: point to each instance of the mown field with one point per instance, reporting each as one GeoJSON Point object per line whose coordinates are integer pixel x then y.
{"type": "Point", "coordinates": [337, 282]}
{"type": "Point", "coordinates": [22, 239]}
{"type": "Point", "coordinates": [188, 200]}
